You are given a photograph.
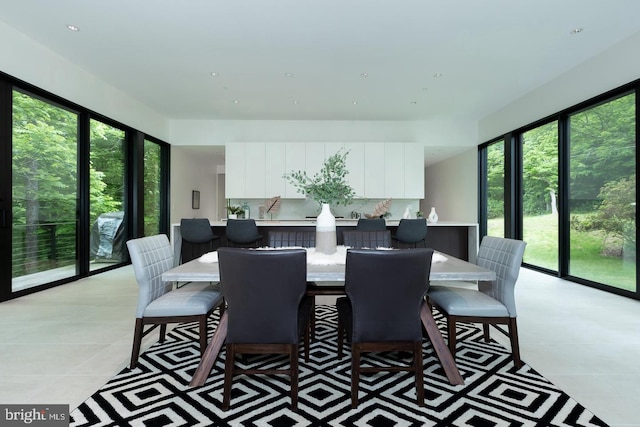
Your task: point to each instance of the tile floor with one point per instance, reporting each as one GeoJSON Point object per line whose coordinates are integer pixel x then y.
{"type": "Point", "coordinates": [62, 344]}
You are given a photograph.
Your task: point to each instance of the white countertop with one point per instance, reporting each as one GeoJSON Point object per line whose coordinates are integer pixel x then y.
{"type": "Point", "coordinates": [339, 222]}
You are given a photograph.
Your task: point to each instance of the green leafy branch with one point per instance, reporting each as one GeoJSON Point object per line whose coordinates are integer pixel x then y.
{"type": "Point", "coordinates": [327, 186]}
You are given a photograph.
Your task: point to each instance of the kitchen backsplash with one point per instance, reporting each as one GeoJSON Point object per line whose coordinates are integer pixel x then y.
{"type": "Point", "coordinates": [300, 209]}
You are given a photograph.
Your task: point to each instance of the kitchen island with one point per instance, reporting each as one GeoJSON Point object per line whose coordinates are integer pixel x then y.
{"type": "Point", "coordinates": [455, 238]}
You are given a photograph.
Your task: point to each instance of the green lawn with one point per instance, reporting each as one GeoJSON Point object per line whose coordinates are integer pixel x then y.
{"type": "Point", "coordinates": [586, 261]}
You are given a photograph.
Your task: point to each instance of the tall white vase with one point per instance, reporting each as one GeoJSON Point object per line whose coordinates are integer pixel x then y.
{"type": "Point", "coordinates": [433, 216]}
{"type": "Point", "coordinates": [326, 231]}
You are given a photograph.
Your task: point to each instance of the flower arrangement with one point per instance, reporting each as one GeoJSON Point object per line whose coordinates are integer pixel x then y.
{"type": "Point", "coordinates": [327, 186]}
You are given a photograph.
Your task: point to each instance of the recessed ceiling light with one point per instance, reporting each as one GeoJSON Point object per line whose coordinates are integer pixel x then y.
{"type": "Point", "coordinates": [235, 101]}
{"type": "Point", "coordinates": [214, 74]}
{"type": "Point", "coordinates": [437, 75]}
{"type": "Point", "coordinates": [295, 102]}
{"type": "Point", "coordinates": [577, 30]}
{"type": "Point", "coordinates": [288, 74]}
{"type": "Point", "coordinates": [355, 102]}
{"type": "Point", "coordinates": [364, 75]}
{"type": "Point", "coordinates": [73, 27]}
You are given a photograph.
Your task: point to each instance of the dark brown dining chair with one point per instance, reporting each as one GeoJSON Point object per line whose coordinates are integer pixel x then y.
{"type": "Point", "coordinates": [367, 239]}
{"type": "Point", "coordinates": [267, 310]}
{"type": "Point", "coordinates": [374, 224]}
{"type": "Point", "coordinates": [197, 238]}
{"type": "Point", "coordinates": [492, 303]}
{"type": "Point", "coordinates": [243, 233]}
{"type": "Point", "coordinates": [411, 233]}
{"type": "Point", "coordinates": [385, 291]}
{"type": "Point", "coordinates": [158, 302]}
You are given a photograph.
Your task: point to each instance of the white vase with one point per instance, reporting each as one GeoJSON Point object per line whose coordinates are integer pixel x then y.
{"type": "Point", "coordinates": [232, 216]}
{"type": "Point", "coordinates": [326, 231]}
{"type": "Point", "coordinates": [407, 213]}
{"type": "Point", "coordinates": [433, 216]}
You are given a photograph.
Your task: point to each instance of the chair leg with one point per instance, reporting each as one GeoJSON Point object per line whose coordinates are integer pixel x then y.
{"type": "Point", "coordinates": [163, 332]}
{"type": "Point", "coordinates": [419, 372]}
{"type": "Point", "coordinates": [312, 319]}
{"type": "Point", "coordinates": [307, 343]}
{"type": "Point", "coordinates": [293, 361]}
{"type": "Point", "coordinates": [451, 331]}
{"type": "Point", "coordinates": [355, 374]}
{"type": "Point", "coordinates": [515, 346]}
{"type": "Point", "coordinates": [137, 342]}
{"type": "Point", "coordinates": [202, 321]}
{"type": "Point", "coordinates": [340, 338]}
{"type": "Point", "coordinates": [485, 330]}
{"type": "Point", "coordinates": [228, 377]}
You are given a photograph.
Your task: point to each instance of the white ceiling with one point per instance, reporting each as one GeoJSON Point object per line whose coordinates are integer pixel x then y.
{"type": "Point", "coordinates": [488, 52]}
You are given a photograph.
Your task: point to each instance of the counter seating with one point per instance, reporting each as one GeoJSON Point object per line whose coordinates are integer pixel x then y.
{"type": "Point", "coordinates": [411, 233]}
{"type": "Point", "coordinates": [243, 233]}
{"type": "Point", "coordinates": [285, 238]}
{"type": "Point", "coordinates": [358, 239]}
{"type": "Point", "coordinates": [197, 238]}
{"type": "Point", "coordinates": [371, 224]}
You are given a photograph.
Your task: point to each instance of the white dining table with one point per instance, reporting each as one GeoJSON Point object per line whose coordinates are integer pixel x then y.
{"type": "Point", "coordinates": [329, 280]}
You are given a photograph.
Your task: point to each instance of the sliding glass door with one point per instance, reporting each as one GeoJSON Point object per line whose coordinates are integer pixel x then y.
{"type": "Point", "coordinates": [44, 192]}
{"type": "Point", "coordinates": [602, 194]}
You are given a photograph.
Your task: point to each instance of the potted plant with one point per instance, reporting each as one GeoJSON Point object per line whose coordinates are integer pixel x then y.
{"type": "Point", "coordinates": [233, 211]}
{"type": "Point", "coordinates": [329, 186]}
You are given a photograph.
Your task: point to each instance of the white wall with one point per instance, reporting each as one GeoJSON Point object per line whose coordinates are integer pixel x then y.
{"type": "Point", "coordinates": [615, 67]}
{"type": "Point", "coordinates": [451, 186]}
{"type": "Point", "coordinates": [190, 171]}
{"type": "Point", "coordinates": [220, 132]}
{"type": "Point", "coordinates": [23, 58]}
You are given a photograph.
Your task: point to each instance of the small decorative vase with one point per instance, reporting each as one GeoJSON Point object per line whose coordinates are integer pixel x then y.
{"type": "Point", "coordinates": [407, 213]}
{"type": "Point", "coordinates": [326, 231]}
{"type": "Point", "coordinates": [232, 216]}
{"type": "Point", "coordinates": [433, 216]}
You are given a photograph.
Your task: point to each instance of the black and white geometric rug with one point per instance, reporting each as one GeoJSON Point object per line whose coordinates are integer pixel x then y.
{"type": "Point", "coordinates": [157, 392]}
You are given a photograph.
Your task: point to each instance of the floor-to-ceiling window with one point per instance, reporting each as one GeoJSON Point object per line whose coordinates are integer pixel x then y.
{"type": "Point", "coordinates": [152, 187]}
{"type": "Point", "coordinates": [70, 193]}
{"type": "Point", "coordinates": [107, 183]}
{"type": "Point", "coordinates": [602, 193]}
{"type": "Point", "coordinates": [540, 195]}
{"type": "Point", "coordinates": [495, 189]}
{"type": "Point", "coordinates": [572, 193]}
{"type": "Point", "coordinates": [44, 192]}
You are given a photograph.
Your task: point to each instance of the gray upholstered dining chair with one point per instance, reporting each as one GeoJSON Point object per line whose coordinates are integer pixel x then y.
{"type": "Point", "coordinates": [492, 303]}
{"type": "Point", "coordinates": [385, 291]}
{"type": "Point", "coordinates": [411, 232]}
{"type": "Point", "coordinates": [374, 224]}
{"type": "Point", "coordinates": [197, 238]}
{"type": "Point", "coordinates": [243, 233]}
{"type": "Point", "coordinates": [158, 303]}
{"type": "Point", "coordinates": [359, 239]}
{"type": "Point", "coordinates": [267, 309]}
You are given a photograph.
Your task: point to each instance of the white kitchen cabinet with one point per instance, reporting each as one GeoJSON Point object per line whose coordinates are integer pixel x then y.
{"type": "Point", "coordinates": [275, 168]}
{"type": "Point", "coordinates": [314, 157]}
{"type": "Point", "coordinates": [394, 170]}
{"type": "Point", "coordinates": [295, 160]}
{"type": "Point", "coordinates": [374, 171]}
{"type": "Point", "coordinates": [413, 171]}
{"type": "Point", "coordinates": [255, 169]}
{"type": "Point", "coordinates": [234, 171]}
{"type": "Point", "coordinates": [355, 166]}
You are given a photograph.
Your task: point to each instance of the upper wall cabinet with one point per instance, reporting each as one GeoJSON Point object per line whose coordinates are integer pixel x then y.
{"type": "Point", "coordinates": [376, 170]}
